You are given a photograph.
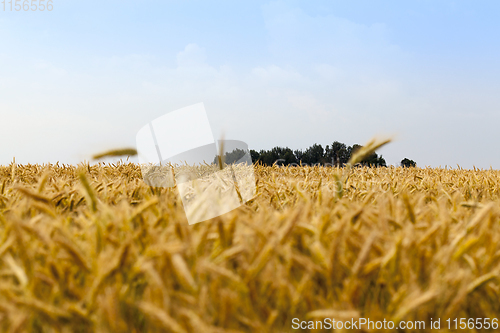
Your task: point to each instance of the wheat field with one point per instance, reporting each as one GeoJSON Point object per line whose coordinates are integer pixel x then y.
{"type": "Point", "coordinates": [92, 248]}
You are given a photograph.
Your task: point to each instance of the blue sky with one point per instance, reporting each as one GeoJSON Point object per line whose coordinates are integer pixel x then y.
{"type": "Point", "coordinates": [88, 75]}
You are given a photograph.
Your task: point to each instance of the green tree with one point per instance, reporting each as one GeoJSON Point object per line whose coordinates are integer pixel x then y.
{"type": "Point", "coordinates": [254, 155]}
{"type": "Point", "coordinates": [232, 156]}
{"type": "Point", "coordinates": [407, 163]}
{"type": "Point", "coordinates": [337, 153]}
{"type": "Point", "coordinates": [371, 160]}
{"type": "Point", "coordinates": [313, 155]}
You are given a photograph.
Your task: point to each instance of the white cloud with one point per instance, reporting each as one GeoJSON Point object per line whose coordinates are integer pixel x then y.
{"type": "Point", "coordinates": [296, 37]}
{"type": "Point", "coordinates": [306, 102]}
{"type": "Point", "coordinates": [191, 56]}
{"type": "Point", "coordinates": [327, 72]}
{"type": "Point", "coordinates": [275, 73]}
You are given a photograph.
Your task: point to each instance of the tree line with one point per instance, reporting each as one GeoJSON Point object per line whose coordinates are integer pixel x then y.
{"type": "Point", "coordinates": [336, 154]}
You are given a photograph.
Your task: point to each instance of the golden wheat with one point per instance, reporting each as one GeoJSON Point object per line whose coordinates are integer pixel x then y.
{"type": "Point", "coordinates": [92, 248]}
